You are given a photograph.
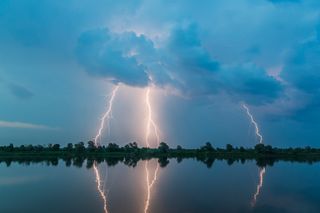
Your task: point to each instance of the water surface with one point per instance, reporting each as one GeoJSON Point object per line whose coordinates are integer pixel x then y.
{"type": "Point", "coordinates": [188, 186]}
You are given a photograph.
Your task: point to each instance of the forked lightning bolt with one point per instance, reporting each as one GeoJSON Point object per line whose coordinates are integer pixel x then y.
{"type": "Point", "coordinates": [259, 186]}
{"type": "Point", "coordinates": [255, 124]}
{"type": "Point", "coordinates": [106, 116]}
{"type": "Point", "coordinates": [150, 125]}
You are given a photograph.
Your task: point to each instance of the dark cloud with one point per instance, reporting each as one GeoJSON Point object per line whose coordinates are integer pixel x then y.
{"type": "Point", "coordinates": [182, 62]}
{"type": "Point", "coordinates": [251, 84]}
{"type": "Point", "coordinates": [197, 73]}
{"type": "Point", "coordinates": [186, 48]}
{"type": "Point", "coordinates": [302, 71]}
{"type": "Point", "coordinates": [106, 55]}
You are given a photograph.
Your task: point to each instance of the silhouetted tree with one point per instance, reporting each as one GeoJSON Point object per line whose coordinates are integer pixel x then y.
{"type": "Point", "coordinates": [259, 148]}
{"type": "Point", "coordinates": [22, 148]}
{"type": "Point", "coordinates": [10, 147]}
{"type": "Point", "coordinates": [69, 147]}
{"type": "Point", "coordinates": [131, 146]}
{"type": "Point", "coordinates": [29, 148]}
{"type": "Point", "coordinates": [38, 148]}
{"type": "Point", "coordinates": [56, 147]}
{"type": "Point", "coordinates": [91, 146]}
{"type": "Point", "coordinates": [163, 147]}
{"type": "Point", "coordinates": [207, 147]}
{"type": "Point", "coordinates": [229, 147]}
{"type": "Point", "coordinates": [79, 147]}
{"type": "Point", "coordinates": [112, 147]}
{"type": "Point", "coordinates": [50, 146]}
{"type": "Point", "coordinates": [268, 149]}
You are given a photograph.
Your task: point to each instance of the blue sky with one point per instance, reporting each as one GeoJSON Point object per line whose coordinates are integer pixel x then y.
{"type": "Point", "coordinates": [60, 60]}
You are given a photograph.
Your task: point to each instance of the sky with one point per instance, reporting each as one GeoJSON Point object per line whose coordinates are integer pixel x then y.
{"type": "Point", "coordinates": [60, 60]}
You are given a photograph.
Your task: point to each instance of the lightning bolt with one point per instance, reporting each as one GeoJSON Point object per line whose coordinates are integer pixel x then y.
{"type": "Point", "coordinates": [259, 186]}
{"type": "Point", "coordinates": [150, 121]}
{"type": "Point", "coordinates": [255, 124]}
{"type": "Point", "coordinates": [263, 170]}
{"type": "Point", "coordinates": [150, 124]}
{"type": "Point", "coordinates": [99, 187]}
{"type": "Point", "coordinates": [106, 117]}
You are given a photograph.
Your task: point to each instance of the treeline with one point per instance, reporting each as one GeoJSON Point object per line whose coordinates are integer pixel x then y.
{"type": "Point", "coordinates": [132, 161]}
{"type": "Point", "coordinates": [162, 149]}
{"type": "Point", "coordinates": [130, 154]}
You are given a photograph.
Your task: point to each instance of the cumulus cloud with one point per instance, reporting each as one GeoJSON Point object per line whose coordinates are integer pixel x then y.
{"type": "Point", "coordinates": [180, 62]}
{"type": "Point", "coordinates": [106, 55]}
{"type": "Point", "coordinates": [186, 49]}
{"type": "Point", "coordinates": [200, 73]}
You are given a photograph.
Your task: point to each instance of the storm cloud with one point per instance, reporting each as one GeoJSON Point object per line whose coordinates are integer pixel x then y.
{"type": "Point", "coordinates": [180, 62]}
{"type": "Point", "coordinates": [106, 55]}
{"type": "Point", "coordinates": [200, 54]}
